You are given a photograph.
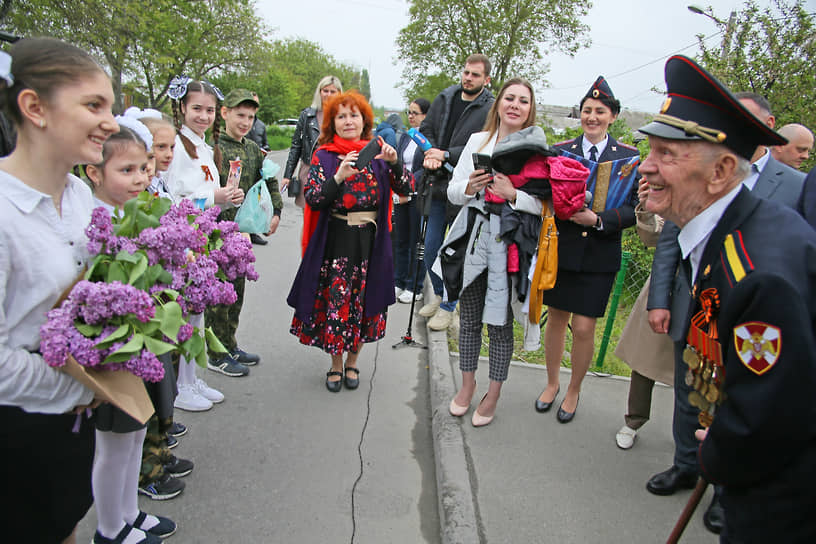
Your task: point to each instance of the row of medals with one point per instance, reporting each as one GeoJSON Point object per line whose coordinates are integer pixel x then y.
{"type": "Point", "coordinates": [705, 378]}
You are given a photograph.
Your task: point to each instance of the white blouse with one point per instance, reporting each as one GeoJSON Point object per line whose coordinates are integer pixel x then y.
{"type": "Point", "coordinates": [190, 178]}
{"type": "Point", "coordinates": [41, 254]}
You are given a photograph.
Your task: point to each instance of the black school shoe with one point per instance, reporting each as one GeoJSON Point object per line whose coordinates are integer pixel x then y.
{"type": "Point", "coordinates": [123, 534]}
{"type": "Point", "coordinates": [166, 527]}
{"type": "Point", "coordinates": [164, 488]}
{"type": "Point", "coordinates": [248, 359]}
{"type": "Point", "coordinates": [227, 366]}
{"type": "Point", "coordinates": [177, 429]}
{"type": "Point", "coordinates": [178, 468]}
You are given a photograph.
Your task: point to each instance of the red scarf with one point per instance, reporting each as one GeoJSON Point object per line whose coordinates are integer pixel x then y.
{"type": "Point", "coordinates": [341, 146]}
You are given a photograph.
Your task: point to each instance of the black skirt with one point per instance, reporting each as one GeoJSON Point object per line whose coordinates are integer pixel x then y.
{"type": "Point", "coordinates": [582, 293]}
{"type": "Point", "coordinates": [162, 394]}
{"type": "Point", "coordinates": [46, 472]}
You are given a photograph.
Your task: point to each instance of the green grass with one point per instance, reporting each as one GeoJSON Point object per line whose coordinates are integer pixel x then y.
{"type": "Point", "coordinates": [279, 137]}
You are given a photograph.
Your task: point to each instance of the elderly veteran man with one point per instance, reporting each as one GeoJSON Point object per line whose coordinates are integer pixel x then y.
{"type": "Point", "coordinates": [751, 267]}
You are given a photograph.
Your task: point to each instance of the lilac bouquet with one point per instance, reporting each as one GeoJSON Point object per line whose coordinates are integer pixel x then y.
{"type": "Point", "coordinates": [152, 267]}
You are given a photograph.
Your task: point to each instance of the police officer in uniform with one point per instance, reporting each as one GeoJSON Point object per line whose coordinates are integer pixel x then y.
{"type": "Point", "coordinates": [589, 255]}
{"type": "Point", "coordinates": [750, 344]}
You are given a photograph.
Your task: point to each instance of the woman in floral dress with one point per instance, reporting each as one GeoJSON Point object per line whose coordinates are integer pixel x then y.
{"type": "Point", "coordinates": [345, 282]}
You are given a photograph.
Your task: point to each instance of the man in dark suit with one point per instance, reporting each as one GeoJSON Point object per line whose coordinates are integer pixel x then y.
{"type": "Point", "coordinates": [668, 306]}
{"type": "Point", "coordinates": [807, 201]}
{"type": "Point", "coordinates": [748, 351]}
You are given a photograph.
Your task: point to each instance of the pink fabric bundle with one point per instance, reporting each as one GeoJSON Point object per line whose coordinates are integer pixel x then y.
{"type": "Point", "coordinates": [567, 179]}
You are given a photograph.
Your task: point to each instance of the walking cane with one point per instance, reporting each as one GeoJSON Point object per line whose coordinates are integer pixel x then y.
{"type": "Point", "coordinates": [688, 511]}
{"type": "Point", "coordinates": [408, 340]}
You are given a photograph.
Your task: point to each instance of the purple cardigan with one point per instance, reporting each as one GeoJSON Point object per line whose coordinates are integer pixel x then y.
{"type": "Point", "coordinates": [380, 278]}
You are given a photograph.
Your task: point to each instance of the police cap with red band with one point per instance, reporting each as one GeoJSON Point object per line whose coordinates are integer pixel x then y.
{"type": "Point", "coordinates": [699, 107]}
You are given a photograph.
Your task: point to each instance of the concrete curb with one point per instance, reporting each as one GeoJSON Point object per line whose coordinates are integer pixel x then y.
{"type": "Point", "coordinates": [457, 510]}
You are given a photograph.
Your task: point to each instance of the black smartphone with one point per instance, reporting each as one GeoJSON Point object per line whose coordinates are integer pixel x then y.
{"type": "Point", "coordinates": [482, 162]}
{"type": "Point", "coordinates": [371, 150]}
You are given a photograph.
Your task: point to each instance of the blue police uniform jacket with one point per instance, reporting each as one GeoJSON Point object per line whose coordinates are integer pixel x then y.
{"type": "Point", "coordinates": [761, 446]}
{"type": "Point", "coordinates": [585, 249]}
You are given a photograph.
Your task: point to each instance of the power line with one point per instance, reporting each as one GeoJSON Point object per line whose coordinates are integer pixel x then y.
{"type": "Point", "coordinates": [636, 68]}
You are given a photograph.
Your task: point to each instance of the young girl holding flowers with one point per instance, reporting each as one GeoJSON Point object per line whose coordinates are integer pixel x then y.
{"type": "Point", "coordinates": [120, 176]}
{"type": "Point", "coordinates": [60, 101]}
{"type": "Point", "coordinates": [193, 175]}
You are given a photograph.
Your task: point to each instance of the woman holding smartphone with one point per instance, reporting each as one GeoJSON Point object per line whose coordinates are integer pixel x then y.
{"type": "Point", "coordinates": [513, 110]}
{"type": "Point", "coordinates": [344, 284]}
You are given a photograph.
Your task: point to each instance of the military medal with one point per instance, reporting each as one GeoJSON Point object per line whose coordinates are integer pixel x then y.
{"type": "Point", "coordinates": [691, 358]}
{"type": "Point", "coordinates": [703, 355]}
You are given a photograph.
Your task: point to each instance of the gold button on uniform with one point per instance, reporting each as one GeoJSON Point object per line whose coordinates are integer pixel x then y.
{"type": "Point", "coordinates": [584, 234]}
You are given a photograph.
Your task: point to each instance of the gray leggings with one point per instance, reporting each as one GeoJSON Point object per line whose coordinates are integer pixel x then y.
{"type": "Point", "coordinates": [471, 305]}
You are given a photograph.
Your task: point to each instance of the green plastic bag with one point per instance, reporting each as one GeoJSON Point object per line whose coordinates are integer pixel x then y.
{"type": "Point", "coordinates": [256, 212]}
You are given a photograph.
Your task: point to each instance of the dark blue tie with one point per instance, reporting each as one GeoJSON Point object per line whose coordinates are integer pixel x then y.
{"type": "Point", "coordinates": [593, 154]}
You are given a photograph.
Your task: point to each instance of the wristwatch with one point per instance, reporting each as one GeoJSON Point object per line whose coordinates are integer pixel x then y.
{"type": "Point", "coordinates": [598, 223]}
{"type": "Point", "coordinates": [447, 156]}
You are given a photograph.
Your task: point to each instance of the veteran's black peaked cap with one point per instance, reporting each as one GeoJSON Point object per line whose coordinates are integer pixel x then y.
{"type": "Point", "coordinates": [699, 107]}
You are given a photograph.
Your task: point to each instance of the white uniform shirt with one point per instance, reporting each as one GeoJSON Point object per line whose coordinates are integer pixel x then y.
{"type": "Point", "coordinates": [188, 177]}
{"type": "Point", "coordinates": [41, 254]}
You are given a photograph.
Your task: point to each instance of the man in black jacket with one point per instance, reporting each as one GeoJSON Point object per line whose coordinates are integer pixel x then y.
{"type": "Point", "coordinates": [258, 131]}
{"type": "Point", "coordinates": [455, 114]}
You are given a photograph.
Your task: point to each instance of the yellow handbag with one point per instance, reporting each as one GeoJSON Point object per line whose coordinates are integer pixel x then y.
{"type": "Point", "coordinates": [546, 268]}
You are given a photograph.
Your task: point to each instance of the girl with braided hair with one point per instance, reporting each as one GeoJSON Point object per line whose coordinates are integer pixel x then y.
{"type": "Point", "coordinates": [193, 175]}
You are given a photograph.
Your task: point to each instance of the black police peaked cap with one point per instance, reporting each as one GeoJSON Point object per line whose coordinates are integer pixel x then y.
{"type": "Point", "coordinates": [699, 107]}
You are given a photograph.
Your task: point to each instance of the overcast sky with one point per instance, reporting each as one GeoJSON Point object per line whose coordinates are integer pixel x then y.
{"type": "Point", "coordinates": [630, 42]}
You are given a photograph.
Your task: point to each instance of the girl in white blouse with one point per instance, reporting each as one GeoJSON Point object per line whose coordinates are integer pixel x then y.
{"type": "Point", "coordinates": [60, 101]}
{"type": "Point", "coordinates": [193, 175]}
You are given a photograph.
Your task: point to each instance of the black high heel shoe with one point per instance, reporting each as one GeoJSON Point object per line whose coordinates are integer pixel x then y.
{"type": "Point", "coordinates": [542, 407]}
{"type": "Point", "coordinates": [565, 417]}
{"type": "Point", "coordinates": [334, 387]}
{"type": "Point", "coordinates": [352, 383]}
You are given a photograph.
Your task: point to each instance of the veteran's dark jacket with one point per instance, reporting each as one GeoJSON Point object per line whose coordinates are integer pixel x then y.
{"type": "Point", "coordinates": [761, 446]}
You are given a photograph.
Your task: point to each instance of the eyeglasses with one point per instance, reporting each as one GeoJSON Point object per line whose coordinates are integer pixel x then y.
{"type": "Point", "coordinates": [414, 113]}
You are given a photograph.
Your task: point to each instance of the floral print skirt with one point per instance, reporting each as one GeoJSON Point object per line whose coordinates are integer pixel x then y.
{"type": "Point", "coordinates": [337, 324]}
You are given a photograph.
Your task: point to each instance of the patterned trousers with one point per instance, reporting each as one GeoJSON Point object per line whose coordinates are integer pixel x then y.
{"type": "Point", "coordinates": [471, 305]}
{"type": "Point", "coordinates": [223, 318]}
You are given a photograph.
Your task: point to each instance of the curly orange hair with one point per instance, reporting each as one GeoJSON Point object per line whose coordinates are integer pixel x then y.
{"type": "Point", "coordinates": [351, 99]}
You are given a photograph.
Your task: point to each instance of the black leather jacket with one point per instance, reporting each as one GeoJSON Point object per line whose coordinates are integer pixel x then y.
{"type": "Point", "coordinates": [306, 133]}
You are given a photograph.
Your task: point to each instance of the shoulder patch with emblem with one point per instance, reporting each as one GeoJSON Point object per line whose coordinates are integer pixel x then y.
{"type": "Point", "coordinates": [735, 259]}
{"type": "Point", "coordinates": [758, 345]}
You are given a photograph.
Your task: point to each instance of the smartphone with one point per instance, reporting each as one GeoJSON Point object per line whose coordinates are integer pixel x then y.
{"type": "Point", "coordinates": [482, 162]}
{"type": "Point", "coordinates": [371, 150]}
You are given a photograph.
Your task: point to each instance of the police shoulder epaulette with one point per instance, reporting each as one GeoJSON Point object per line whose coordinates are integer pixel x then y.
{"type": "Point", "coordinates": [565, 142]}
{"type": "Point", "coordinates": [627, 146]}
{"type": "Point", "coordinates": [736, 261]}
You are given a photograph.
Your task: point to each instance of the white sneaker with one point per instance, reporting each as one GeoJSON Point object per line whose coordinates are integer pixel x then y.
{"type": "Point", "coordinates": [397, 291]}
{"type": "Point", "coordinates": [190, 399]}
{"type": "Point", "coordinates": [429, 310]}
{"type": "Point", "coordinates": [213, 395]}
{"type": "Point", "coordinates": [406, 295]}
{"type": "Point", "coordinates": [441, 320]}
{"type": "Point", "coordinates": [625, 437]}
